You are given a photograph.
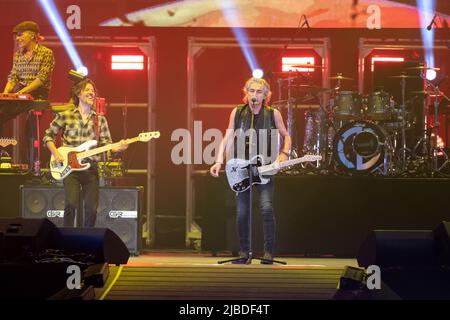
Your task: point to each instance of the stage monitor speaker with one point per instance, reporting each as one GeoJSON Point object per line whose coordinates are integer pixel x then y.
{"type": "Point", "coordinates": [39, 202]}
{"type": "Point", "coordinates": [442, 240]}
{"type": "Point", "coordinates": [119, 209]}
{"type": "Point", "coordinates": [104, 244]}
{"type": "Point", "coordinates": [395, 248]}
{"type": "Point", "coordinates": [24, 239]}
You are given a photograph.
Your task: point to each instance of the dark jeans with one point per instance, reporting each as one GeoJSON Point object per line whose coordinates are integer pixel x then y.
{"type": "Point", "coordinates": [265, 206]}
{"type": "Point", "coordinates": [87, 182]}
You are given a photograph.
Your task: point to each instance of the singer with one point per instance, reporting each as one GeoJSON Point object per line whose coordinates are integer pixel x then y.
{"type": "Point", "coordinates": [254, 113]}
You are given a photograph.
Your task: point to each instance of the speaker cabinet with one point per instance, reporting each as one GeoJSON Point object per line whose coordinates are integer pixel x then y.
{"type": "Point", "coordinates": [398, 248]}
{"type": "Point", "coordinates": [442, 239]}
{"type": "Point", "coordinates": [118, 209]}
{"type": "Point", "coordinates": [24, 239]}
{"type": "Point", "coordinates": [39, 202]}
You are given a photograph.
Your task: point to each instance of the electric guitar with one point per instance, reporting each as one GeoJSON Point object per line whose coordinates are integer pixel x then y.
{"type": "Point", "coordinates": [238, 173]}
{"type": "Point", "coordinates": [4, 142]}
{"type": "Point", "coordinates": [74, 155]}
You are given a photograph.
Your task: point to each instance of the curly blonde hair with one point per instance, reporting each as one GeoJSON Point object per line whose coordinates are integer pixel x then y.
{"type": "Point", "coordinates": [260, 81]}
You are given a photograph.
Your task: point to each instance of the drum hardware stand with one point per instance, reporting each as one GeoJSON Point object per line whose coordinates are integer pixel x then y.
{"type": "Point", "coordinates": [330, 125]}
{"type": "Point", "coordinates": [403, 149]}
{"type": "Point", "coordinates": [429, 139]}
{"type": "Point", "coordinates": [436, 149]}
{"type": "Point", "coordinates": [290, 117]}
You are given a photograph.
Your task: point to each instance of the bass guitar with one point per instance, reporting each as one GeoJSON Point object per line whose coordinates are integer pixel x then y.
{"type": "Point", "coordinates": [73, 156]}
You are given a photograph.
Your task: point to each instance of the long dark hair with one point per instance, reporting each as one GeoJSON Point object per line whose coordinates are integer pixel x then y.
{"type": "Point", "coordinates": [78, 87]}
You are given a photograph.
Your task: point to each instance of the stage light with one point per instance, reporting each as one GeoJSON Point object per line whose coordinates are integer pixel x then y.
{"type": "Point", "coordinates": [289, 63]}
{"type": "Point", "coordinates": [385, 59]}
{"type": "Point", "coordinates": [83, 70]}
{"type": "Point", "coordinates": [427, 14]}
{"type": "Point", "coordinates": [430, 74]}
{"type": "Point", "coordinates": [258, 73]}
{"type": "Point", "coordinates": [127, 62]}
{"type": "Point", "coordinates": [234, 20]}
{"type": "Point", "coordinates": [52, 14]}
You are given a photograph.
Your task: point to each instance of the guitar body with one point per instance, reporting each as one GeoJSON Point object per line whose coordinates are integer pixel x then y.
{"type": "Point", "coordinates": [73, 156]}
{"type": "Point", "coordinates": [71, 163]}
{"type": "Point", "coordinates": [238, 173]}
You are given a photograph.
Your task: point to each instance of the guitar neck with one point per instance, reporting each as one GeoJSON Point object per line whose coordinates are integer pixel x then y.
{"type": "Point", "coordinates": [292, 162]}
{"type": "Point", "coordinates": [93, 152]}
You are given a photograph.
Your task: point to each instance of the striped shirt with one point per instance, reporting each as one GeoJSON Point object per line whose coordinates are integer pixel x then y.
{"type": "Point", "coordinates": [75, 131]}
{"type": "Point", "coordinates": [40, 66]}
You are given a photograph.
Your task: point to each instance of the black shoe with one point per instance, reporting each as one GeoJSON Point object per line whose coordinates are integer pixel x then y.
{"type": "Point", "coordinates": [268, 258]}
{"type": "Point", "coordinates": [243, 258]}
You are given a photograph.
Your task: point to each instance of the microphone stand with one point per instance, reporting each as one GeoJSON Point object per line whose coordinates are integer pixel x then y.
{"type": "Point", "coordinates": [252, 169]}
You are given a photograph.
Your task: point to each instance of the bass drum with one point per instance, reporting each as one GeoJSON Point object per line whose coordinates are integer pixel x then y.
{"type": "Point", "coordinates": [360, 147]}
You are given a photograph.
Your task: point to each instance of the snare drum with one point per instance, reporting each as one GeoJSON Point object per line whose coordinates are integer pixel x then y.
{"type": "Point", "coordinates": [348, 105]}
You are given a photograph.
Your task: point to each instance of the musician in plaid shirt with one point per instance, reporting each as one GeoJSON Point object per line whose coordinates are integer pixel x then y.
{"type": "Point", "coordinates": [78, 125]}
{"type": "Point", "coordinates": [32, 65]}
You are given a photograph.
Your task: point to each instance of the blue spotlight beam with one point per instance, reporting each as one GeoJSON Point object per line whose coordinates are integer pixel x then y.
{"type": "Point", "coordinates": [233, 18]}
{"type": "Point", "coordinates": [60, 28]}
{"type": "Point", "coordinates": [426, 14]}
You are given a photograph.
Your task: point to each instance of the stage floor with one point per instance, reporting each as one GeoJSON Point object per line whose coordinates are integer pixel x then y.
{"type": "Point", "coordinates": [194, 276]}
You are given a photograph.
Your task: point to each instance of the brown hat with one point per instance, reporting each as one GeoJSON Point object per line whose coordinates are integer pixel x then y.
{"type": "Point", "coordinates": [26, 26]}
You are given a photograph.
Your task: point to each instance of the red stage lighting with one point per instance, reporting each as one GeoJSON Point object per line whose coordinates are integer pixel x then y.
{"type": "Point", "coordinates": [288, 63]}
{"type": "Point", "coordinates": [385, 59]}
{"type": "Point", "coordinates": [127, 62]}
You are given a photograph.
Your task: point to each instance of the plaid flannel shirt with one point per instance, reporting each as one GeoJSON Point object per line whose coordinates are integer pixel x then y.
{"type": "Point", "coordinates": [40, 66]}
{"type": "Point", "coordinates": [75, 132]}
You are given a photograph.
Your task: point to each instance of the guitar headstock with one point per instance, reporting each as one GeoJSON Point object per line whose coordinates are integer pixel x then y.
{"type": "Point", "coordinates": [147, 136]}
{"type": "Point", "coordinates": [6, 142]}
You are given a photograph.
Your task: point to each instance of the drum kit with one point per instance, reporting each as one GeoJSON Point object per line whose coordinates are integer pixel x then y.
{"type": "Point", "coordinates": [364, 134]}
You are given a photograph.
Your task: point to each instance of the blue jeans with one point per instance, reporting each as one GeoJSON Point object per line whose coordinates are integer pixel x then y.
{"type": "Point", "coordinates": [265, 206]}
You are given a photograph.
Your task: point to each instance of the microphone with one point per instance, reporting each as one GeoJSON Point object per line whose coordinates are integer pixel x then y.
{"type": "Point", "coordinates": [253, 100]}
{"type": "Point", "coordinates": [432, 22]}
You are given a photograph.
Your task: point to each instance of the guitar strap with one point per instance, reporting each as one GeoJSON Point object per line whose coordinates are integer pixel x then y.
{"type": "Point", "coordinates": [96, 127]}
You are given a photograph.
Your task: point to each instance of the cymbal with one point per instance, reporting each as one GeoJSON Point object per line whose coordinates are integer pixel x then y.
{"type": "Point", "coordinates": [307, 66]}
{"type": "Point", "coordinates": [422, 68]}
{"type": "Point", "coordinates": [339, 77]}
{"type": "Point", "coordinates": [432, 94]}
{"type": "Point", "coordinates": [405, 76]}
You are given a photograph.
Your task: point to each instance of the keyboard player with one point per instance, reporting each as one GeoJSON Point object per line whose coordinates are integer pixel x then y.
{"type": "Point", "coordinates": [31, 73]}
{"type": "Point", "coordinates": [33, 63]}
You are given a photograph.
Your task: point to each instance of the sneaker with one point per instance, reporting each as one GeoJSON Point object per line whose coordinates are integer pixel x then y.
{"type": "Point", "coordinates": [243, 257]}
{"type": "Point", "coordinates": [267, 256]}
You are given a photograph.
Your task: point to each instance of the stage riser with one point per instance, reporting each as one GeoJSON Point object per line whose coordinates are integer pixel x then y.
{"type": "Point", "coordinates": [320, 215]}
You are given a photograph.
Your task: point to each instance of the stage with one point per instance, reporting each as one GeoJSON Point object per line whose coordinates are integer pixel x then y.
{"type": "Point", "coordinates": [195, 276]}
{"type": "Point", "coordinates": [325, 215]}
